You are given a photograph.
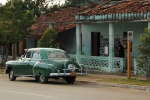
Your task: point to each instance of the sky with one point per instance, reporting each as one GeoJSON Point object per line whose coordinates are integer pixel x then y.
{"type": "Point", "coordinates": [4, 1]}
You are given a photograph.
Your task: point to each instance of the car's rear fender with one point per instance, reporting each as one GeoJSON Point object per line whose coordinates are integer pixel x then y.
{"type": "Point", "coordinates": [42, 69]}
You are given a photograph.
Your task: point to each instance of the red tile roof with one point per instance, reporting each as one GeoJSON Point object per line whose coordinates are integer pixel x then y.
{"type": "Point", "coordinates": [124, 6]}
{"type": "Point", "coordinates": [63, 20]}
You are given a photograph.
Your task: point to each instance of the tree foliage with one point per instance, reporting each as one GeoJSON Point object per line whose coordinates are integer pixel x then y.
{"type": "Point", "coordinates": [78, 3]}
{"type": "Point", "coordinates": [39, 6]}
{"type": "Point", "coordinates": [143, 60]}
{"type": "Point", "coordinates": [15, 23]}
{"type": "Point", "coordinates": [48, 39]}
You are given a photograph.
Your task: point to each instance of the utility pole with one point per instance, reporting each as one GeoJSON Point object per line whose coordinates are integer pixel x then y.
{"type": "Point", "coordinates": [130, 39]}
{"type": "Point", "coordinates": [129, 60]}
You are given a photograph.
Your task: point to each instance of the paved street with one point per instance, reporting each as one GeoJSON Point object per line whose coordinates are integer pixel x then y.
{"type": "Point", "coordinates": [28, 89]}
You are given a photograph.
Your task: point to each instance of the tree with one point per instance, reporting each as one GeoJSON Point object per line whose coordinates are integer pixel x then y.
{"type": "Point", "coordinates": [15, 23]}
{"type": "Point", "coordinates": [40, 6]}
{"type": "Point", "coordinates": [74, 3]}
{"type": "Point", "coordinates": [143, 61]}
{"type": "Point", "coordinates": [48, 39]}
{"type": "Point", "coordinates": [78, 3]}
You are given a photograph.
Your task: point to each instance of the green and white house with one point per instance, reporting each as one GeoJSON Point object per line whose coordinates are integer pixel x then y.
{"type": "Point", "coordinates": [100, 24]}
{"type": "Point", "coordinates": [109, 22]}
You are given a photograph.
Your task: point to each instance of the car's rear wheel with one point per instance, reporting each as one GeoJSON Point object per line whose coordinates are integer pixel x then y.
{"type": "Point", "coordinates": [70, 79]}
{"type": "Point", "coordinates": [43, 79]}
{"type": "Point", "coordinates": [12, 77]}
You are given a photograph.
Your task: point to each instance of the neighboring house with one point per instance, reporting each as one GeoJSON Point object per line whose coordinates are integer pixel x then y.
{"type": "Point", "coordinates": [63, 22]}
{"type": "Point", "coordinates": [108, 23]}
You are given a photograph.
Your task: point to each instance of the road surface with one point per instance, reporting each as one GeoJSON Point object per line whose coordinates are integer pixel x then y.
{"type": "Point", "coordinates": [29, 89]}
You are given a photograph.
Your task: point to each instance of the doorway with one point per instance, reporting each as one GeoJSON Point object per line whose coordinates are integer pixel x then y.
{"type": "Point", "coordinates": [95, 43]}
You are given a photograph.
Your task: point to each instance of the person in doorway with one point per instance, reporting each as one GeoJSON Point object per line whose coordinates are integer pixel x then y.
{"type": "Point", "coordinates": [106, 49]}
{"type": "Point", "coordinates": [120, 50]}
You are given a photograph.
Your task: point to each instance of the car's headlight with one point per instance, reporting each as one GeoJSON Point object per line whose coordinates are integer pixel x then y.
{"type": "Point", "coordinates": [71, 67]}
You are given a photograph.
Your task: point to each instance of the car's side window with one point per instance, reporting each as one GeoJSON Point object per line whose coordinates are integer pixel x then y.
{"type": "Point", "coordinates": [28, 54]}
{"type": "Point", "coordinates": [52, 55]}
{"type": "Point", "coordinates": [57, 55]}
{"type": "Point", "coordinates": [36, 55]}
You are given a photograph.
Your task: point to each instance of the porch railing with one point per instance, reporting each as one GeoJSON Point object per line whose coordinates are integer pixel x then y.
{"type": "Point", "coordinates": [100, 63]}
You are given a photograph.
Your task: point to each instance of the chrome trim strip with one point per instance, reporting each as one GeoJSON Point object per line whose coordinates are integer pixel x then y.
{"type": "Point", "coordinates": [66, 74]}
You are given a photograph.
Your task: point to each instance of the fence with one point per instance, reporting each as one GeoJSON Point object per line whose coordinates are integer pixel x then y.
{"type": "Point", "coordinates": [97, 63]}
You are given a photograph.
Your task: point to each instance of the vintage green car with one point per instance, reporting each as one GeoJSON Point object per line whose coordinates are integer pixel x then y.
{"type": "Point", "coordinates": [44, 63]}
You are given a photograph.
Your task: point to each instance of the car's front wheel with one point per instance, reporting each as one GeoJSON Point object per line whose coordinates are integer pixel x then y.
{"type": "Point", "coordinates": [12, 77]}
{"type": "Point", "coordinates": [43, 79]}
{"type": "Point", "coordinates": [70, 79]}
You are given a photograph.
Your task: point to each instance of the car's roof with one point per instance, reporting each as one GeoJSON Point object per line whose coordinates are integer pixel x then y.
{"type": "Point", "coordinates": [45, 49]}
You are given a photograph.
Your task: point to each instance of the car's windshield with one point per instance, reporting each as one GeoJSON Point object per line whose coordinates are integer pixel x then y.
{"type": "Point", "coordinates": [57, 55]}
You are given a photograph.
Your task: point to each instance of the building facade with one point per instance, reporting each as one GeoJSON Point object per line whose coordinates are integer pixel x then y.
{"type": "Point", "coordinates": [108, 23]}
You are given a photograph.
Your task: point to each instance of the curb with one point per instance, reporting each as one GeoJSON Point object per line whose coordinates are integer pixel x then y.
{"type": "Point", "coordinates": [138, 87]}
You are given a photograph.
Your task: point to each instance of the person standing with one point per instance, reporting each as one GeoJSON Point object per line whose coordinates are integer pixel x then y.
{"type": "Point", "coordinates": [120, 50]}
{"type": "Point", "coordinates": [106, 49]}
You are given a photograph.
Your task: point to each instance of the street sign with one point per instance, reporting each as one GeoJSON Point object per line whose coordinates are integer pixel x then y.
{"type": "Point", "coordinates": [130, 36]}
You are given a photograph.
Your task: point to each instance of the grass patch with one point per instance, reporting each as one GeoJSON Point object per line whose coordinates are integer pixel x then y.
{"type": "Point", "coordinates": [116, 79]}
{"type": "Point", "coordinates": [132, 81]}
{"type": "Point", "coordinates": [1, 71]}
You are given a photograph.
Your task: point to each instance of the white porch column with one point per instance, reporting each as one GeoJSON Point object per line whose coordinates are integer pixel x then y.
{"type": "Point", "coordinates": [111, 45]}
{"type": "Point", "coordinates": [149, 24]}
{"type": "Point", "coordinates": [78, 41]}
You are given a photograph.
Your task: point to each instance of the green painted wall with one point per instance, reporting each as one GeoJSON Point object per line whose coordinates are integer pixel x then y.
{"type": "Point", "coordinates": [69, 38]}
{"type": "Point", "coordinates": [86, 35]}
{"type": "Point", "coordinates": [137, 28]}
{"type": "Point", "coordinates": [30, 43]}
{"type": "Point", "coordinates": [103, 28]}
